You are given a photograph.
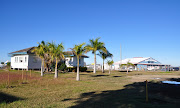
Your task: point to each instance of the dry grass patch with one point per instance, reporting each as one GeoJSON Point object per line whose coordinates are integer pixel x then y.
{"type": "Point", "coordinates": [94, 90]}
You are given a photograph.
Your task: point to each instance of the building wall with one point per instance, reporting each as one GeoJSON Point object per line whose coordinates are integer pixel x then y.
{"type": "Point", "coordinates": [91, 66]}
{"type": "Point", "coordinates": [114, 67]}
{"type": "Point", "coordinates": [72, 62]}
{"type": "Point", "coordinates": [34, 62]}
{"type": "Point", "coordinates": [107, 67]}
{"type": "Point", "coordinates": [19, 61]}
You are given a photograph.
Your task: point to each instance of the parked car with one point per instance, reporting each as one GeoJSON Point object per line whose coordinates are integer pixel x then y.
{"type": "Point", "coordinates": [165, 69]}
{"type": "Point", "coordinates": [175, 69]}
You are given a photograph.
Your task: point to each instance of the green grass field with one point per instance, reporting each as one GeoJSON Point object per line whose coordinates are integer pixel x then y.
{"type": "Point", "coordinates": [115, 90]}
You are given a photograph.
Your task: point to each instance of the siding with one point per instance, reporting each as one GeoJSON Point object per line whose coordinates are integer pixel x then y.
{"type": "Point", "coordinates": [18, 64]}
{"type": "Point", "coordinates": [72, 62]}
{"type": "Point", "coordinates": [34, 62]}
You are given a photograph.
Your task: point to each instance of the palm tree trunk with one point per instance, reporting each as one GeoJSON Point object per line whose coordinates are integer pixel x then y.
{"type": "Point", "coordinates": [94, 62]}
{"type": "Point", "coordinates": [42, 63]}
{"type": "Point", "coordinates": [56, 73]}
{"type": "Point", "coordinates": [8, 78]}
{"type": "Point", "coordinates": [78, 77]}
{"type": "Point", "coordinates": [103, 67]}
{"type": "Point", "coordinates": [127, 70]}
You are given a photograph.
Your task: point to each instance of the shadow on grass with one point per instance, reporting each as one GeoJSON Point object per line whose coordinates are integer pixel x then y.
{"type": "Point", "coordinates": [132, 96]}
{"type": "Point", "coordinates": [89, 71]}
{"type": "Point", "coordinates": [125, 71]}
{"type": "Point", "coordinates": [174, 79]}
{"type": "Point", "coordinates": [98, 75]}
{"type": "Point", "coordinates": [117, 76]}
{"type": "Point", "coordinates": [7, 98]}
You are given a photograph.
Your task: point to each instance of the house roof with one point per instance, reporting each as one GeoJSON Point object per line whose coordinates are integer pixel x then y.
{"type": "Point", "coordinates": [71, 53]}
{"type": "Point", "coordinates": [28, 51]}
{"type": "Point", "coordinates": [138, 60]}
{"type": "Point", "coordinates": [134, 60]}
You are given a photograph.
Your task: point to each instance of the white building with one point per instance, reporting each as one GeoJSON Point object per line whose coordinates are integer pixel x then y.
{"type": "Point", "coordinates": [140, 63]}
{"type": "Point", "coordinates": [91, 66]}
{"type": "Point", "coordinates": [25, 59]}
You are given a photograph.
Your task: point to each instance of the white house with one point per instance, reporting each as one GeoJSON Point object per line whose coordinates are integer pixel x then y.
{"type": "Point", "coordinates": [25, 59]}
{"type": "Point", "coordinates": [91, 66]}
{"type": "Point", "coordinates": [140, 63]}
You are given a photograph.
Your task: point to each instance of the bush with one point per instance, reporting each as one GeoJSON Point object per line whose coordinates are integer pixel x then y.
{"type": "Point", "coordinates": [8, 64]}
{"type": "Point", "coordinates": [83, 69]}
{"type": "Point", "coordinates": [62, 67]}
{"type": "Point", "coordinates": [74, 69]}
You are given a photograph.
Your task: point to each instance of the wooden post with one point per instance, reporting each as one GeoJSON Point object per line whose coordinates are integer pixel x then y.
{"type": "Point", "coordinates": [26, 75]}
{"type": "Point", "coordinates": [146, 91]}
{"type": "Point", "coordinates": [22, 75]}
{"type": "Point", "coordinates": [30, 73]}
{"type": "Point", "coordinates": [8, 78]}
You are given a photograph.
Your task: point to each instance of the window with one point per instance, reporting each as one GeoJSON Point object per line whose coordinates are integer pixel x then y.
{"type": "Point", "coordinates": [150, 61]}
{"type": "Point", "coordinates": [79, 61]}
{"type": "Point", "coordinates": [20, 59]}
{"type": "Point", "coordinates": [16, 59]}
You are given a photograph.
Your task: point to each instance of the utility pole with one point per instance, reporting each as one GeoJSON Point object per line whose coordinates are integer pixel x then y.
{"type": "Point", "coordinates": [120, 57]}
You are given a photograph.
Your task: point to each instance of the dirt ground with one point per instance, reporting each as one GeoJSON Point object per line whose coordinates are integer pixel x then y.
{"type": "Point", "coordinates": [14, 76]}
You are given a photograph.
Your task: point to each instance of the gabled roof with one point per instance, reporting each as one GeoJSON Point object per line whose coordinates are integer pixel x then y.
{"type": "Point", "coordinates": [71, 53]}
{"type": "Point", "coordinates": [25, 51]}
{"type": "Point", "coordinates": [134, 60]}
{"type": "Point", "coordinates": [28, 51]}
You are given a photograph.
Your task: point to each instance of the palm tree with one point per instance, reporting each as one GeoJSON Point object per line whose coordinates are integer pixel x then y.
{"type": "Point", "coordinates": [127, 65]}
{"type": "Point", "coordinates": [104, 56]}
{"type": "Point", "coordinates": [110, 63]}
{"type": "Point", "coordinates": [56, 53]}
{"type": "Point", "coordinates": [94, 46]}
{"type": "Point", "coordinates": [40, 51]}
{"type": "Point", "coordinates": [78, 50]}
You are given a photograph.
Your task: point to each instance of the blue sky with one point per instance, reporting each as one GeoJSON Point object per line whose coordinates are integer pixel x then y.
{"type": "Point", "coordinates": [144, 28]}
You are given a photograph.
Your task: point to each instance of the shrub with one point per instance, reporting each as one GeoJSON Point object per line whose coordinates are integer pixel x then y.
{"type": "Point", "coordinates": [62, 67]}
{"type": "Point", "coordinates": [69, 69]}
{"type": "Point", "coordinates": [8, 64]}
{"type": "Point", "coordinates": [74, 69]}
{"type": "Point", "coordinates": [83, 69]}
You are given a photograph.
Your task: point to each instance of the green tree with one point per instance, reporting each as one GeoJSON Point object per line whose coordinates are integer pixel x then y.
{"type": "Point", "coordinates": [40, 51]}
{"type": "Point", "coordinates": [9, 65]}
{"type": "Point", "coordinates": [104, 56]}
{"type": "Point", "coordinates": [94, 46]}
{"type": "Point", "coordinates": [56, 53]}
{"type": "Point", "coordinates": [127, 65]}
{"type": "Point", "coordinates": [79, 50]}
{"type": "Point", "coordinates": [110, 63]}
